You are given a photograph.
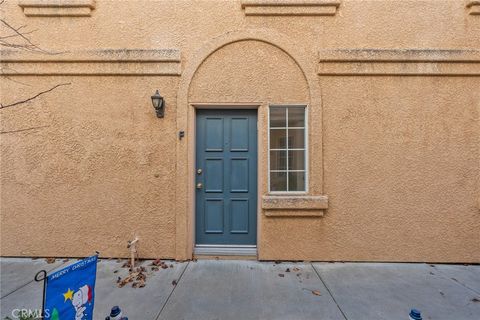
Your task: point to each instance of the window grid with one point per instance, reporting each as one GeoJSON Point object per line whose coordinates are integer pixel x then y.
{"type": "Point", "coordinates": [287, 149]}
{"type": "Point", "coordinates": [286, 146]}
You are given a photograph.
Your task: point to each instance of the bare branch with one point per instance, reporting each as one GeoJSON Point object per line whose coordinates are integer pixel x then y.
{"type": "Point", "coordinates": [16, 81]}
{"type": "Point", "coordinates": [16, 35]}
{"type": "Point", "coordinates": [16, 38]}
{"type": "Point", "coordinates": [29, 44]}
{"type": "Point", "coordinates": [2, 106]}
{"type": "Point", "coordinates": [26, 129]}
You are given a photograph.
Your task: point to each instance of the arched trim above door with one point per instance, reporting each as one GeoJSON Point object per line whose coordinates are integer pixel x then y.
{"type": "Point", "coordinates": [305, 59]}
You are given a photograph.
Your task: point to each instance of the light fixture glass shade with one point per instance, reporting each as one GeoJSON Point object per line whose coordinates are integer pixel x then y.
{"type": "Point", "coordinates": [156, 99]}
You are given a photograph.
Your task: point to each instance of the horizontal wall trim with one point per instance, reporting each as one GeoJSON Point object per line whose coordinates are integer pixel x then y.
{"type": "Point", "coordinates": [290, 8]}
{"type": "Point", "coordinates": [407, 62]}
{"type": "Point", "coordinates": [93, 62]}
{"type": "Point", "coordinates": [57, 8]}
{"type": "Point", "coordinates": [474, 7]}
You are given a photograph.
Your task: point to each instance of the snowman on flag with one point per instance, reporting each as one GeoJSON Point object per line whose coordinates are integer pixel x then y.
{"type": "Point", "coordinates": [70, 292]}
{"type": "Point", "coordinates": [80, 299]}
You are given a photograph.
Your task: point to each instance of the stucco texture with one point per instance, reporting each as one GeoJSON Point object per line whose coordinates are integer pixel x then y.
{"type": "Point", "coordinates": [91, 169]}
{"type": "Point", "coordinates": [88, 165]}
{"type": "Point", "coordinates": [401, 168]}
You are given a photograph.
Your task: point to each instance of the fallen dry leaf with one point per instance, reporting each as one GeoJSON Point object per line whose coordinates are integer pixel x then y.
{"type": "Point", "coordinates": [157, 262]}
{"type": "Point", "coordinates": [314, 292]}
{"type": "Point", "coordinates": [295, 269]}
{"type": "Point", "coordinates": [174, 282]}
{"type": "Point", "coordinates": [50, 260]}
{"type": "Point", "coordinates": [287, 270]}
{"type": "Point", "coordinates": [475, 300]}
{"type": "Point", "coordinates": [122, 282]}
{"type": "Point", "coordinates": [281, 275]}
{"type": "Point", "coordinates": [138, 284]}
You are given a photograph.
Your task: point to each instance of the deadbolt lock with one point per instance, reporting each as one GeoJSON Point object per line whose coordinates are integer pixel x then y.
{"type": "Point", "coordinates": [199, 171]}
{"type": "Point", "coordinates": [199, 185]}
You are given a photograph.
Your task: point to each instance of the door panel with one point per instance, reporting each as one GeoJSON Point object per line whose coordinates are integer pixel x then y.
{"type": "Point", "coordinates": [239, 175]}
{"type": "Point", "coordinates": [213, 215]}
{"type": "Point", "coordinates": [239, 216]}
{"type": "Point", "coordinates": [226, 194]}
{"type": "Point", "coordinates": [211, 180]}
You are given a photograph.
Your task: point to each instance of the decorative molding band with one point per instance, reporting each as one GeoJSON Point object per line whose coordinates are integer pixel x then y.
{"type": "Point", "coordinates": [474, 6]}
{"type": "Point", "coordinates": [93, 62]}
{"type": "Point", "coordinates": [57, 8]}
{"type": "Point", "coordinates": [294, 206]}
{"type": "Point", "coordinates": [290, 8]}
{"type": "Point", "coordinates": [402, 62]}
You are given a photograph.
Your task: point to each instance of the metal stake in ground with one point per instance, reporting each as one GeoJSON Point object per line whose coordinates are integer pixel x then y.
{"type": "Point", "coordinates": [42, 276]}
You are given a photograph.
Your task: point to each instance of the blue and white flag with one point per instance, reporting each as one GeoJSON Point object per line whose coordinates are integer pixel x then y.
{"type": "Point", "coordinates": [71, 291]}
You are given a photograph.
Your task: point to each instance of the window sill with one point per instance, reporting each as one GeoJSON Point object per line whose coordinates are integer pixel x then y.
{"type": "Point", "coordinates": [294, 206]}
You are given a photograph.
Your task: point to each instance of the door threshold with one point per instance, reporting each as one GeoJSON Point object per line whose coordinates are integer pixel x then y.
{"type": "Point", "coordinates": [225, 250]}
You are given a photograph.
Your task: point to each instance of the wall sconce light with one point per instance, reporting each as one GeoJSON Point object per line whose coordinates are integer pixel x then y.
{"type": "Point", "coordinates": [159, 104]}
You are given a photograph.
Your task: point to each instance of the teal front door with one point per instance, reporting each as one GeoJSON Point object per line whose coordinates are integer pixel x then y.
{"type": "Point", "coordinates": [226, 177]}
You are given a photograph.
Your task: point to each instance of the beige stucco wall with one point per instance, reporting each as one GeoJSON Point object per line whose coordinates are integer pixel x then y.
{"type": "Point", "coordinates": [88, 165]}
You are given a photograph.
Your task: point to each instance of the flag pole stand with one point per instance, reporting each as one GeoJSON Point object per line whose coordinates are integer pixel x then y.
{"type": "Point", "coordinates": [42, 276]}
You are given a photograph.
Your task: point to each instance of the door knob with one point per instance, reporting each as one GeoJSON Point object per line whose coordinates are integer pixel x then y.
{"type": "Point", "coordinates": [199, 185]}
{"type": "Point", "coordinates": [199, 171]}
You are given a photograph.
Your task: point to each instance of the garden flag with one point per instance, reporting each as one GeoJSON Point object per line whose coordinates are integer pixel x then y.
{"type": "Point", "coordinates": [70, 291]}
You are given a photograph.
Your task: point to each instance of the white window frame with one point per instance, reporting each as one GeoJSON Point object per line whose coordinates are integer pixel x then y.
{"type": "Point", "coordinates": [305, 107]}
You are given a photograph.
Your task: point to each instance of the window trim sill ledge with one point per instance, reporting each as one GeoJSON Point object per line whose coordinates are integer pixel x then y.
{"type": "Point", "coordinates": [294, 206]}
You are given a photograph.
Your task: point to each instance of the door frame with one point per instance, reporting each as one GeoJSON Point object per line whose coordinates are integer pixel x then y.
{"type": "Point", "coordinates": [222, 249]}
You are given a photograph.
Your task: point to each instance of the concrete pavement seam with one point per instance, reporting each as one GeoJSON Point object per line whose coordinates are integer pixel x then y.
{"type": "Point", "coordinates": [171, 293]}
{"type": "Point", "coordinates": [329, 292]}
{"type": "Point", "coordinates": [445, 276]}
{"type": "Point", "coordinates": [33, 280]}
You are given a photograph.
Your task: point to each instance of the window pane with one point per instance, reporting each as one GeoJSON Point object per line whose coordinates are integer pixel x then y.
{"type": "Point", "coordinates": [278, 117]}
{"type": "Point", "coordinates": [278, 160]}
{"type": "Point", "coordinates": [296, 138]}
{"type": "Point", "coordinates": [278, 138]}
{"type": "Point", "coordinates": [296, 117]}
{"type": "Point", "coordinates": [278, 181]}
{"type": "Point", "coordinates": [296, 160]}
{"type": "Point", "coordinates": [296, 181]}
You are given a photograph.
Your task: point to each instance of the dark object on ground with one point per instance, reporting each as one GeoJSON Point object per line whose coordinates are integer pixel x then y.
{"type": "Point", "coordinates": [415, 314]}
{"type": "Point", "coordinates": [116, 314]}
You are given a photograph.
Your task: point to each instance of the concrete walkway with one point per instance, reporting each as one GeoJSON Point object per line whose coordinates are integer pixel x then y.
{"type": "Point", "coordinates": [209, 289]}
